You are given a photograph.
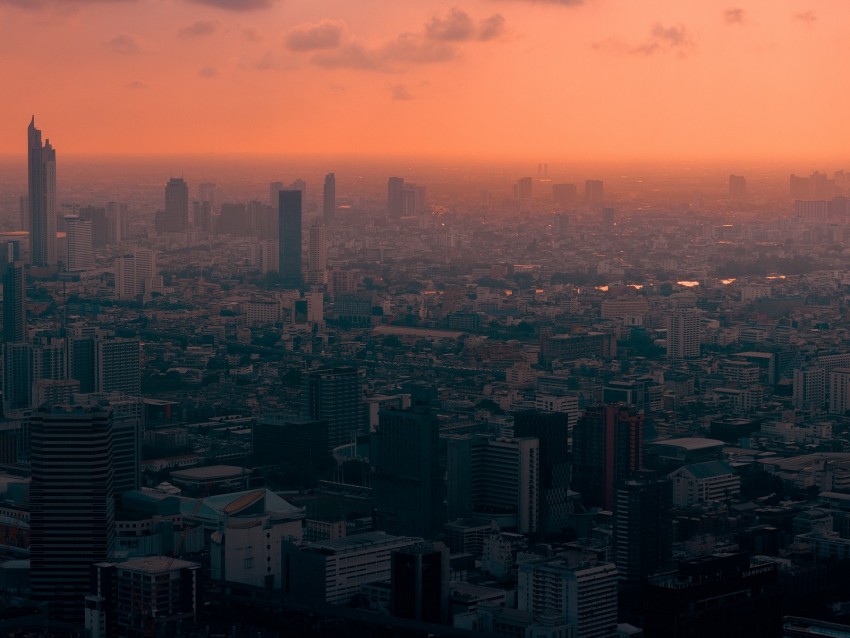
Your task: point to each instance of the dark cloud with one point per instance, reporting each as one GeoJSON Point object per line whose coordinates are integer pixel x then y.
{"type": "Point", "coordinates": [199, 28]}
{"type": "Point", "coordinates": [124, 45]}
{"type": "Point", "coordinates": [457, 26]}
{"type": "Point", "coordinates": [349, 56]}
{"type": "Point", "coordinates": [674, 39]}
{"type": "Point", "coordinates": [806, 17]}
{"type": "Point", "coordinates": [236, 5]}
{"type": "Point", "coordinates": [63, 4]}
{"type": "Point", "coordinates": [734, 16]}
{"type": "Point", "coordinates": [401, 93]}
{"type": "Point", "coordinates": [407, 48]}
{"type": "Point", "coordinates": [208, 72]}
{"type": "Point", "coordinates": [327, 34]}
{"type": "Point", "coordinates": [491, 28]}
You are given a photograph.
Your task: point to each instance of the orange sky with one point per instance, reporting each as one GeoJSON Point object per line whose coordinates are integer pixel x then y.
{"type": "Point", "coordinates": [543, 79]}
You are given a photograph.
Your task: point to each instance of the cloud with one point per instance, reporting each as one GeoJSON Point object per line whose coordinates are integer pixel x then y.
{"type": "Point", "coordinates": [410, 47]}
{"type": "Point", "coordinates": [407, 48]}
{"type": "Point", "coordinates": [124, 45]}
{"type": "Point", "coordinates": [252, 35]}
{"type": "Point", "coordinates": [208, 72]}
{"type": "Point", "coordinates": [734, 16]}
{"type": "Point", "coordinates": [675, 39]}
{"type": "Point", "coordinates": [806, 17]}
{"type": "Point", "coordinates": [63, 4]}
{"type": "Point", "coordinates": [399, 92]}
{"type": "Point", "coordinates": [491, 28]}
{"type": "Point", "coordinates": [457, 26]}
{"type": "Point", "coordinates": [236, 5]}
{"type": "Point", "coordinates": [136, 85]}
{"type": "Point", "coordinates": [327, 34]}
{"type": "Point", "coordinates": [199, 28]}
{"type": "Point", "coordinates": [563, 3]}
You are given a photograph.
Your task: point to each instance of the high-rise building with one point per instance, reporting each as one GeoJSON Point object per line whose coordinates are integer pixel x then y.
{"type": "Point", "coordinates": [607, 447]}
{"type": "Point", "coordinates": [420, 583]}
{"type": "Point", "coordinates": [42, 198]}
{"type": "Point", "coordinates": [100, 230]}
{"type": "Point", "coordinates": [552, 430]}
{"type": "Point", "coordinates": [523, 188]}
{"type": "Point", "coordinates": [329, 199]}
{"type": "Point", "coordinates": [289, 237]}
{"type": "Point", "coordinates": [683, 334]}
{"type": "Point", "coordinates": [560, 224]}
{"type": "Point", "coordinates": [118, 222]}
{"type": "Point", "coordinates": [643, 526]}
{"type": "Point", "coordinates": [71, 504]}
{"type": "Point", "coordinates": [593, 192]}
{"type": "Point", "coordinates": [18, 375]}
{"type": "Point", "coordinates": [80, 247]}
{"type": "Point", "coordinates": [395, 196]}
{"type": "Point", "coordinates": [135, 274]}
{"type": "Point", "coordinates": [317, 256]}
{"type": "Point", "coordinates": [333, 395]}
{"type": "Point", "coordinates": [564, 193]}
{"type": "Point", "coordinates": [407, 480]}
{"type": "Point", "coordinates": [577, 587]}
{"type": "Point", "coordinates": [14, 303]}
{"type": "Point", "coordinates": [175, 219]}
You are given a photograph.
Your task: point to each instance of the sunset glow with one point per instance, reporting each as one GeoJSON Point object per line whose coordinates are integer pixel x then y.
{"type": "Point", "coordinates": [541, 79]}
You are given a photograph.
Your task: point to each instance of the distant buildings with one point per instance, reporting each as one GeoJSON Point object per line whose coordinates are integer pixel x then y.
{"type": "Point", "coordinates": [329, 199]}
{"type": "Point", "coordinates": [737, 186]}
{"type": "Point", "coordinates": [593, 192]}
{"type": "Point", "coordinates": [175, 218]}
{"type": "Point", "coordinates": [395, 196]}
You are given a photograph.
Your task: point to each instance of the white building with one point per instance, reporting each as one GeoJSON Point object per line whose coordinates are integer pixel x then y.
{"type": "Point", "coordinates": [79, 238]}
{"type": "Point", "coordinates": [683, 335]}
{"type": "Point", "coordinates": [701, 482]}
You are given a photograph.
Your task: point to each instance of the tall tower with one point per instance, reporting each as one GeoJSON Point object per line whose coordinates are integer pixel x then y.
{"type": "Point", "coordinates": [317, 256]}
{"type": "Point", "coordinates": [329, 200]}
{"type": "Point", "coordinates": [607, 447]}
{"type": "Point", "coordinates": [176, 206]}
{"type": "Point", "coordinates": [289, 236]}
{"type": "Point", "coordinates": [117, 366]}
{"type": "Point", "coordinates": [71, 504]}
{"type": "Point", "coordinates": [333, 395]}
{"type": "Point", "coordinates": [42, 198]}
{"type": "Point", "coordinates": [395, 196]}
{"type": "Point", "coordinates": [14, 303]}
{"type": "Point", "coordinates": [593, 192]}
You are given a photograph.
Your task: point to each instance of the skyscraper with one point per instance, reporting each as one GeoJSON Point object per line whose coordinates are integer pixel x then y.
{"type": "Point", "coordinates": [71, 504]}
{"type": "Point", "coordinates": [607, 447]}
{"type": "Point", "coordinates": [333, 395]}
{"type": "Point", "coordinates": [289, 231]}
{"type": "Point", "coordinates": [14, 303]}
{"type": "Point", "coordinates": [407, 480]}
{"type": "Point", "coordinates": [176, 216]}
{"type": "Point", "coordinates": [395, 196]}
{"type": "Point", "coordinates": [329, 198]}
{"type": "Point", "coordinates": [42, 198]}
{"type": "Point", "coordinates": [117, 366]}
{"type": "Point", "coordinates": [593, 192]}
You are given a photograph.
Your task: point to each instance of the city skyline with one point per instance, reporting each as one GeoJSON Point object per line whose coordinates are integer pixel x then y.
{"type": "Point", "coordinates": [573, 79]}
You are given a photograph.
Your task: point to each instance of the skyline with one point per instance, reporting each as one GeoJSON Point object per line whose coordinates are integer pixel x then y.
{"type": "Point", "coordinates": [584, 80]}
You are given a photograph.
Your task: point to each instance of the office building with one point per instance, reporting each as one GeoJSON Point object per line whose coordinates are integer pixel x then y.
{"type": "Point", "coordinates": [407, 480]}
{"type": "Point", "coordinates": [101, 233]}
{"type": "Point", "coordinates": [317, 256]}
{"type": "Point", "coordinates": [523, 189]}
{"type": "Point", "coordinates": [118, 222]}
{"type": "Point", "coordinates": [607, 448]}
{"type": "Point", "coordinates": [593, 192]}
{"type": "Point", "coordinates": [333, 571]}
{"type": "Point", "coordinates": [643, 526]}
{"type": "Point", "coordinates": [42, 198]}
{"type": "Point", "coordinates": [18, 375]}
{"type": "Point", "coordinates": [289, 237]}
{"type": "Point", "coordinates": [608, 216]}
{"type": "Point", "coordinates": [839, 390]}
{"type": "Point", "coordinates": [420, 583]}
{"type": "Point", "coordinates": [395, 196]}
{"type": "Point", "coordinates": [71, 504]}
{"type": "Point", "coordinates": [564, 193]}
{"type": "Point", "coordinates": [334, 395]}
{"type": "Point", "coordinates": [80, 247]}
{"type": "Point", "coordinates": [809, 392]}
{"type": "Point", "coordinates": [14, 303]}
{"type": "Point", "coordinates": [560, 225]}
{"type": "Point", "coordinates": [715, 595]}
{"type": "Point", "coordinates": [683, 334]}
{"type": "Point", "coordinates": [329, 199]}
{"type": "Point", "coordinates": [578, 588]}
{"type": "Point", "coordinates": [552, 431]}
{"type": "Point", "coordinates": [175, 218]}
